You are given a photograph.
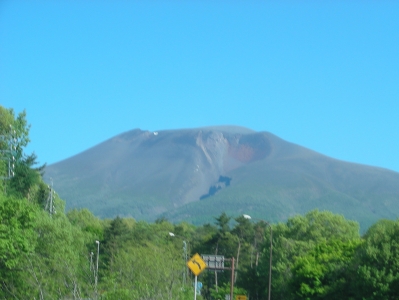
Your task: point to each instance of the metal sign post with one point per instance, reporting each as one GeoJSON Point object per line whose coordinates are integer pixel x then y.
{"type": "Point", "coordinates": [196, 265]}
{"type": "Point", "coordinates": [216, 262]}
{"type": "Point", "coordinates": [195, 288]}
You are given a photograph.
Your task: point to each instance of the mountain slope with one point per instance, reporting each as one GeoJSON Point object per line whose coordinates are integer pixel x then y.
{"type": "Point", "coordinates": [195, 174]}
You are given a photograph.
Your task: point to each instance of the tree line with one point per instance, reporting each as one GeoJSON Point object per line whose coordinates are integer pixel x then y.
{"type": "Point", "coordinates": [52, 254]}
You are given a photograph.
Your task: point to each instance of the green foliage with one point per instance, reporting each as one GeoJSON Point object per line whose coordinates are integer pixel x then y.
{"type": "Point", "coordinates": [6, 121]}
{"type": "Point", "coordinates": [221, 292]}
{"type": "Point", "coordinates": [150, 272]}
{"type": "Point", "coordinates": [27, 174]}
{"type": "Point", "coordinates": [377, 262]}
{"type": "Point", "coordinates": [16, 231]}
{"type": "Point", "coordinates": [87, 222]}
{"type": "Point", "coordinates": [295, 245]}
{"type": "Point", "coordinates": [322, 272]}
{"type": "Point", "coordinates": [318, 226]}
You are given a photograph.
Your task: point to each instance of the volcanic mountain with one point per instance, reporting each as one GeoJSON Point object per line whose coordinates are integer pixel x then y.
{"type": "Point", "coordinates": [195, 174]}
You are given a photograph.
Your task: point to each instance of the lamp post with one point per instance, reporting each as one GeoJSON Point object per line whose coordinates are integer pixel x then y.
{"type": "Point", "coordinates": [185, 255]}
{"type": "Point", "coordinates": [271, 247]}
{"type": "Point", "coordinates": [91, 262]}
{"type": "Point", "coordinates": [96, 277]}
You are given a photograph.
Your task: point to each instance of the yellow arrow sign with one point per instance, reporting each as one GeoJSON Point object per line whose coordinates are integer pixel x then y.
{"type": "Point", "coordinates": [196, 264]}
{"type": "Point", "coordinates": [241, 297]}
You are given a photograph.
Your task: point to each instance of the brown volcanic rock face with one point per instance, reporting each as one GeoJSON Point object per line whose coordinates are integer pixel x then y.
{"type": "Point", "coordinates": [249, 148]}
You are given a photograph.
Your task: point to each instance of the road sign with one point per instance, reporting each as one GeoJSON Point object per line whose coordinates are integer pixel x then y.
{"type": "Point", "coordinates": [196, 264]}
{"type": "Point", "coordinates": [241, 297]}
{"type": "Point", "coordinates": [213, 262]}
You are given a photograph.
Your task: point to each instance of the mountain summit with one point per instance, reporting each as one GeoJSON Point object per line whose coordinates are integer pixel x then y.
{"type": "Point", "coordinates": [195, 174]}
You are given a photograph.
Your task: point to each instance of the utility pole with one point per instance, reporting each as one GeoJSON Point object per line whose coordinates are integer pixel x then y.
{"type": "Point", "coordinates": [50, 202]}
{"type": "Point", "coordinates": [9, 152]}
{"type": "Point", "coordinates": [270, 253]}
{"type": "Point", "coordinates": [96, 277]}
{"type": "Point", "coordinates": [185, 257]}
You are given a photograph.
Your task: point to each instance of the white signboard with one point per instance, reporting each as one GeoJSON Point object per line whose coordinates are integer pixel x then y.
{"type": "Point", "coordinates": [213, 261]}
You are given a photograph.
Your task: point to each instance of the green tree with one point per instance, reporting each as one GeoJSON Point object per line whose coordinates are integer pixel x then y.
{"type": "Point", "coordinates": [224, 243]}
{"type": "Point", "coordinates": [27, 177]}
{"type": "Point", "coordinates": [323, 273]}
{"type": "Point", "coordinates": [17, 240]}
{"type": "Point", "coordinates": [115, 236]}
{"type": "Point", "coordinates": [377, 263]}
{"type": "Point", "coordinates": [297, 238]}
{"type": "Point", "coordinates": [244, 231]}
{"type": "Point", "coordinates": [60, 264]}
{"type": "Point", "coordinates": [6, 121]}
{"type": "Point", "coordinates": [146, 247]}
{"type": "Point", "coordinates": [251, 276]}
{"type": "Point", "coordinates": [27, 173]}
{"type": "Point", "coordinates": [88, 223]}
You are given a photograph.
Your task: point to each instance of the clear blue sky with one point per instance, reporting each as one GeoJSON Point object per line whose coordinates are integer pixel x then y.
{"type": "Point", "coordinates": [321, 74]}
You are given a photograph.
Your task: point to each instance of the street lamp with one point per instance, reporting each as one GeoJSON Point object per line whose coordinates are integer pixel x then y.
{"type": "Point", "coordinates": [96, 277]}
{"type": "Point", "coordinates": [91, 262]}
{"type": "Point", "coordinates": [271, 246]}
{"type": "Point", "coordinates": [185, 254]}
